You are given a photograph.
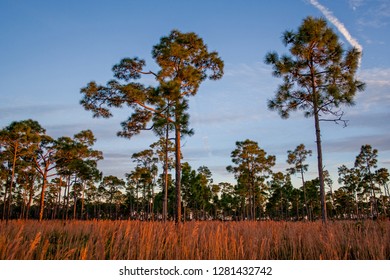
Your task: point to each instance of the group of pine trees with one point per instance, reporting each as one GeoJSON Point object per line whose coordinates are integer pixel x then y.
{"type": "Point", "coordinates": [48, 178]}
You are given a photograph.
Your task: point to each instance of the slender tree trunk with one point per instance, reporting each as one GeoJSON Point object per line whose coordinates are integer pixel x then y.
{"type": "Point", "coordinates": [374, 204]}
{"type": "Point", "coordinates": [58, 204]}
{"type": "Point", "coordinates": [178, 171]}
{"type": "Point", "coordinates": [110, 207]}
{"type": "Point", "coordinates": [332, 204]}
{"type": "Point", "coordinates": [165, 202]}
{"type": "Point", "coordinates": [23, 207]}
{"type": "Point", "coordinates": [320, 170]}
{"type": "Point", "coordinates": [152, 202]}
{"type": "Point", "coordinates": [252, 200]}
{"type": "Point", "coordinates": [319, 145]}
{"type": "Point", "coordinates": [74, 205]}
{"type": "Point", "coordinates": [82, 201]}
{"type": "Point", "coordinates": [144, 208]}
{"type": "Point", "coordinates": [55, 205]}
{"type": "Point", "coordinates": [98, 209]}
{"type": "Point", "coordinates": [67, 198]}
{"type": "Point", "coordinates": [254, 205]}
{"type": "Point", "coordinates": [30, 198]}
{"type": "Point", "coordinates": [58, 207]}
{"type": "Point", "coordinates": [64, 199]}
{"type": "Point", "coordinates": [304, 193]}
{"type": "Point", "coordinates": [53, 211]}
{"type": "Point", "coordinates": [5, 200]}
{"type": "Point", "coordinates": [42, 202]}
{"type": "Point", "coordinates": [136, 205]}
{"type": "Point", "coordinates": [386, 188]}
{"type": "Point", "coordinates": [12, 182]}
{"type": "Point", "coordinates": [357, 205]}
{"type": "Point", "coordinates": [385, 203]}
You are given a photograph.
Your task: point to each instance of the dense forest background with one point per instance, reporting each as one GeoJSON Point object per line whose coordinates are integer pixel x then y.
{"type": "Point", "coordinates": [59, 179]}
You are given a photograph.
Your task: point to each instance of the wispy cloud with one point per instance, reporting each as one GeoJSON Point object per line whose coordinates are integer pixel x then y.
{"type": "Point", "coordinates": [18, 112]}
{"type": "Point", "coordinates": [378, 121]}
{"type": "Point", "coordinates": [353, 143]}
{"type": "Point", "coordinates": [377, 94]}
{"type": "Point", "coordinates": [376, 76]}
{"type": "Point", "coordinates": [339, 25]}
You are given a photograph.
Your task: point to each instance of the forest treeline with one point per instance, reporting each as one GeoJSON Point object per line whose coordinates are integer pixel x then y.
{"type": "Point", "coordinates": [46, 178]}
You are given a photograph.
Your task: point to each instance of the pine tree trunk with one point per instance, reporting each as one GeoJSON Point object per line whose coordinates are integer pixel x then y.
{"type": "Point", "coordinates": [110, 207]}
{"type": "Point", "coordinates": [12, 182]}
{"type": "Point", "coordinates": [165, 203]}
{"type": "Point", "coordinates": [374, 205]}
{"type": "Point", "coordinates": [5, 200]}
{"type": "Point", "coordinates": [30, 198]}
{"type": "Point", "coordinates": [357, 205]}
{"type": "Point", "coordinates": [74, 206]}
{"type": "Point", "coordinates": [24, 202]}
{"type": "Point", "coordinates": [318, 142]}
{"type": "Point", "coordinates": [320, 166]}
{"type": "Point", "coordinates": [332, 204]}
{"type": "Point", "coordinates": [304, 194]}
{"type": "Point", "coordinates": [178, 171]}
{"type": "Point", "coordinates": [82, 202]}
{"type": "Point", "coordinates": [67, 199]}
{"type": "Point", "coordinates": [42, 202]}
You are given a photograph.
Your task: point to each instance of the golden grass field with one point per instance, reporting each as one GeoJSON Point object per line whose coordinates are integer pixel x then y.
{"type": "Point", "coordinates": [209, 240]}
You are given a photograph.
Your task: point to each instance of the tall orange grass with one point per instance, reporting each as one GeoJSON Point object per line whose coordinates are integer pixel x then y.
{"type": "Point", "coordinates": [130, 240]}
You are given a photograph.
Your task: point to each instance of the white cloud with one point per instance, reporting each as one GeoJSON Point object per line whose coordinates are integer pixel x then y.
{"type": "Point", "coordinates": [340, 26]}
{"type": "Point", "coordinates": [376, 76]}
{"type": "Point", "coordinates": [376, 97]}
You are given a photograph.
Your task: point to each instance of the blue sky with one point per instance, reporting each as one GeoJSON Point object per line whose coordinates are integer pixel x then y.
{"type": "Point", "coordinates": [51, 49]}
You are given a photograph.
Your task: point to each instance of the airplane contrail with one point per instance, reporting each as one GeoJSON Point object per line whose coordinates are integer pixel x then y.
{"type": "Point", "coordinates": [340, 26]}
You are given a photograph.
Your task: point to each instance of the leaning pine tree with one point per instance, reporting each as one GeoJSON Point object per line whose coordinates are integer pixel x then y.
{"type": "Point", "coordinates": [318, 77]}
{"type": "Point", "coordinates": [184, 63]}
